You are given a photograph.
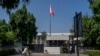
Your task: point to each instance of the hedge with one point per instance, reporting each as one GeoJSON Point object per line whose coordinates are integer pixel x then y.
{"type": "Point", "coordinates": [7, 52]}
{"type": "Point", "coordinates": [93, 52]}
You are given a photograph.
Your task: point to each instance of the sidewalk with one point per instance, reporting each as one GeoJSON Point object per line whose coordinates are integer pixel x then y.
{"type": "Point", "coordinates": [21, 55]}
{"type": "Point", "coordinates": [42, 54]}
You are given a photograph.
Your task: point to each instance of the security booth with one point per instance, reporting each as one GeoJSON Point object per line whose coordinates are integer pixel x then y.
{"type": "Point", "coordinates": [57, 43]}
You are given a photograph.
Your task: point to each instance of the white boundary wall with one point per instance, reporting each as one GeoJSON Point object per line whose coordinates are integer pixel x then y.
{"type": "Point", "coordinates": [52, 50]}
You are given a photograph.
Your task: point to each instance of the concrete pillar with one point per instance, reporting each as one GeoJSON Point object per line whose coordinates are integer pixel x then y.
{"type": "Point", "coordinates": [48, 44]}
{"type": "Point", "coordinates": [57, 43]}
{"type": "Point", "coordinates": [45, 43]}
{"type": "Point", "coordinates": [36, 40]}
{"type": "Point", "coordinates": [40, 40]}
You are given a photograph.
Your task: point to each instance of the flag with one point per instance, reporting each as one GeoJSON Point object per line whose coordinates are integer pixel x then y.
{"type": "Point", "coordinates": [51, 11]}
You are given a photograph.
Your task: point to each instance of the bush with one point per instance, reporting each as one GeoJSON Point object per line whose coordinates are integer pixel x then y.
{"type": "Point", "coordinates": [65, 50]}
{"type": "Point", "coordinates": [7, 52]}
{"type": "Point", "coordinates": [93, 52]}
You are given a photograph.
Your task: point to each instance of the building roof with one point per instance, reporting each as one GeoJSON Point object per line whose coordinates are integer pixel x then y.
{"type": "Point", "coordinates": [58, 37]}
{"type": "Point", "coordinates": [56, 34]}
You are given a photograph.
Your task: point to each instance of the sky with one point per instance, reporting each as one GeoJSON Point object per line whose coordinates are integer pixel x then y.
{"type": "Point", "coordinates": [64, 11]}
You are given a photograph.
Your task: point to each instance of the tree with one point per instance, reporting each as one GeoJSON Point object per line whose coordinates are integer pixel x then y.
{"type": "Point", "coordinates": [3, 29]}
{"type": "Point", "coordinates": [6, 35]}
{"type": "Point", "coordinates": [43, 37]}
{"type": "Point", "coordinates": [10, 4]}
{"type": "Point", "coordinates": [98, 40]}
{"type": "Point", "coordinates": [23, 25]}
{"type": "Point", "coordinates": [91, 26]}
{"type": "Point", "coordinates": [95, 6]}
{"type": "Point", "coordinates": [88, 33]}
{"type": "Point", "coordinates": [9, 35]}
{"type": "Point", "coordinates": [44, 34]}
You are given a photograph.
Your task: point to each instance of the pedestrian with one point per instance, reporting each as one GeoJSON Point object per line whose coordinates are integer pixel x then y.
{"type": "Point", "coordinates": [70, 49]}
{"type": "Point", "coordinates": [24, 52]}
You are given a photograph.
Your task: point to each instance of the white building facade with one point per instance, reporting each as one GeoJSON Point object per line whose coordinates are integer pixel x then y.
{"type": "Point", "coordinates": [54, 43]}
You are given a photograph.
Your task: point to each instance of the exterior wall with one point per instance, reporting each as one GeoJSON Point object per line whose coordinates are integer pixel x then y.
{"type": "Point", "coordinates": [37, 48]}
{"type": "Point", "coordinates": [58, 37]}
{"type": "Point", "coordinates": [54, 37]}
{"type": "Point", "coordinates": [38, 40]}
{"type": "Point", "coordinates": [52, 50]}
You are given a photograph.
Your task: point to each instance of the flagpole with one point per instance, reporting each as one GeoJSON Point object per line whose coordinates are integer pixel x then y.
{"type": "Point", "coordinates": [51, 13]}
{"type": "Point", "coordinates": [50, 25]}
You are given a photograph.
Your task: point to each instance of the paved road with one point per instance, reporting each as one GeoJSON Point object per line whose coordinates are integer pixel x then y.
{"type": "Point", "coordinates": [42, 54]}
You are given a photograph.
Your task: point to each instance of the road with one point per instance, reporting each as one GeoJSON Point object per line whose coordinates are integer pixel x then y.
{"type": "Point", "coordinates": [42, 54]}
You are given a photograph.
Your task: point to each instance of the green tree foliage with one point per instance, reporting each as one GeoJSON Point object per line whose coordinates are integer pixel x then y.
{"type": "Point", "coordinates": [98, 40]}
{"type": "Point", "coordinates": [91, 25]}
{"type": "Point", "coordinates": [9, 35]}
{"type": "Point", "coordinates": [6, 35]}
{"type": "Point", "coordinates": [44, 34]}
{"type": "Point", "coordinates": [95, 6]}
{"type": "Point", "coordinates": [11, 4]}
{"type": "Point", "coordinates": [3, 29]}
{"type": "Point", "coordinates": [23, 25]}
{"type": "Point", "coordinates": [88, 31]}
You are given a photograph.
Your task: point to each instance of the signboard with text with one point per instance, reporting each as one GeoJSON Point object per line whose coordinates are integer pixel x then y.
{"type": "Point", "coordinates": [78, 24]}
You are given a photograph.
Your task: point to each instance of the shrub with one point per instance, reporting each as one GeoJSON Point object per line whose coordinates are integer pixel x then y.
{"type": "Point", "coordinates": [93, 52]}
{"type": "Point", "coordinates": [65, 50]}
{"type": "Point", "coordinates": [7, 52]}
